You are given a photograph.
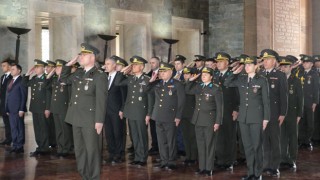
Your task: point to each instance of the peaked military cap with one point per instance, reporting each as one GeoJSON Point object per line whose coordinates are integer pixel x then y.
{"type": "Point", "coordinates": [212, 59]}
{"type": "Point", "coordinates": [269, 53]}
{"type": "Point", "coordinates": [138, 60]}
{"type": "Point", "coordinates": [180, 58]}
{"type": "Point", "coordinates": [60, 62]}
{"type": "Point", "coordinates": [306, 58]}
{"type": "Point", "coordinates": [316, 58]}
{"type": "Point", "coordinates": [242, 58]}
{"type": "Point", "coordinates": [51, 63]}
{"type": "Point", "coordinates": [221, 56]}
{"type": "Point", "coordinates": [284, 60]}
{"type": "Point", "coordinates": [87, 48]}
{"type": "Point", "coordinates": [251, 60]}
{"type": "Point", "coordinates": [188, 70]}
{"type": "Point", "coordinates": [208, 70]}
{"type": "Point", "coordinates": [38, 62]}
{"type": "Point", "coordinates": [119, 60]}
{"type": "Point", "coordinates": [165, 66]}
{"type": "Point", "coordinates": [293, 59]}
{"type": "Point", "coordinates": [199, 58]}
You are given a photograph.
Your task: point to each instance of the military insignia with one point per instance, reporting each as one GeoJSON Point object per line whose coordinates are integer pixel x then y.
{"type": "Point", "coordinates": [219, 56]}
{"type": "Point", "coordinates": [207, 96]}
{"type": "Point", "coordinates": [140, 98]}
{"type": "Point", "coordinates": [40, 85]}
{"type": "Point", "coordinates": [255, 88]}
{"type": "Point", "coordinates": [61, 86]}
{"type": "Point", "coordinates": [86, 87]}
{"type": "Point", "coordinates": [170, 92]}
{"type": "Point", "coordinates": [291, 91]}
{"type": "Point", "coordinates": [143, 83]}
{"type": "Point", "coordinates": [272, 85]}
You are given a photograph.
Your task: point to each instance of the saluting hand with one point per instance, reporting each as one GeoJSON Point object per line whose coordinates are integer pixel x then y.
{"type": "Point", "coordinates": [264, 124]}
{"type": "Point", "coordinates": [194, 77]}
{"type": "Point", "coordinates": [51, 73]}
{"type": "Point", "coordinates": [237, 69]}
{"type": "Point", "coordinates": [72, 61]}
{"type": "Point", "coordinates": [235, 64]}
{"type": "Point", "coordinates": [127, 69]}
{"type": "Point", "coordinates": [153, 77]}
{"type": "Point", "coordinates": [191, 64]}
{"type": "Point", "coordinates": [98, 127]}
{"type": "Point", "coordinates": [216, 127]}
{"type": "Point", "coordinates": [30, 72]}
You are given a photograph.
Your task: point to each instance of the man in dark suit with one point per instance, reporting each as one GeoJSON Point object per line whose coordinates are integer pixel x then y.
{"type": "Point", "coordinates": [226, 138]}
{"type": "Point", "coordinates": [278, 95]}
{"type": "Point", "coordinates": [310, 79]}
{"type": "Point", "coordinates": [114, 119]}
{"type": "Point", "coordinates": [39, 105]}
{"type": "Point", "coordinates": [167, 112]}
{"type": "Point", "coordinates": [5, 65]}
{"type": "Point", "coordinates": [316, 133]}
{"type": "Point", "coordinates": [289, 128]}
{"type": "Point", "coordinates": [15, 108]}
{"type": "Point", "coordinates": [254, 113]}
{"type": "Point", "coordinates": [154, 64]}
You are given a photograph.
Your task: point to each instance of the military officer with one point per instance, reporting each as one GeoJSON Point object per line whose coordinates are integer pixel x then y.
{"type": "Point", "coordinates": [59, 106]}
{"type": "Point", "coordinates": [39, 105]}
{"type": "Point", "coordinates": [311, 98]}
{"type": "Point", "coordinates": [254, 113]}
{"type": "Point", "coordinates": [167, 112]}
{"type": "Point", "coordinates": [75, 67]}
{"type": "Point", "coordinates": [199, 63]}
{"type": "Point", "coordinates": [121, 63]}
{"type": "Point", "coordinates": [188, 129]}
{"type": "Point", "coordinates": [207, 118]}
{"type": "Point", "coordinates": [138, 106]}
{"type": "Point", "coordinates": [278, 95]}
{"type": "Point", "coordinates": [87, 110]}
{"type": "Point", "coordinates": [52, 132]}
{"type": "Point", "coordinates": [226, 138]}
{"type": "Point", "coordinates": [289, 128]}
{"type": "Point", "coordinates": [211, 63]}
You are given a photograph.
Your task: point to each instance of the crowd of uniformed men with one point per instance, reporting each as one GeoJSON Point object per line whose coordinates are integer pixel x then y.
{"type": "Point", "coordinates": [217, 112]}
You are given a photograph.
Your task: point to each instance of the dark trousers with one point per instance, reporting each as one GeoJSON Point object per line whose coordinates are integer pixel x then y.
{"type": "Point", "coordinates": [139, 135]}
{"type": "Point", "coordinates": [241, 154]}
{"type": "Point", "coordinates": [306, 126]}
{"type": "Point", "coordinates": [289, 139]}
{"type": "Point", "coordinates": [206, 142]}
{"type": "Point", "coordinates": [180, 145]}
{"type": "Point", "coordinates": [52, 131]}
{"type": "Point", "coordinates": [41, 131]}
{"type": "Point", "coordinates": [87, 148]}
{"type": "Point", "coordinates": [271, 145]}
{"type": "Point", "coordinates": [7, 129]}
{"type": "Point", "coordinates": [153, 132]}
{"type": "Point", "coordinates": [316, 132]}
{"type": "Point", "coordinates": [226, 142]}
{"type": "Point", "coordinates": [252, 142]}
{"type": "Point", "coordinates": [189, 139]}
{"type": "Point", "coordinates": [167, 133]}
{"type": "Point", "coordinates": [114, 134]}
{"type": "Point", "coordinates": [63, 133]}
{"type": "Point", "coordinates": [17, 130]}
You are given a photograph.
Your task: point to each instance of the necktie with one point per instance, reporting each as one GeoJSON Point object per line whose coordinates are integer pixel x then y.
{"type": "Point", "coordinates": [109, 82]}
{"type": "Point", "coordinates": [267, 73]}
{"type": "Point", "coordinates": [4, 78]}
{"type": "Point", "coordinates": [249, 81]}
{"type": "Point", "coordinates": [220, 77]}
{"type": "Point", "coordinates": [10, 85]}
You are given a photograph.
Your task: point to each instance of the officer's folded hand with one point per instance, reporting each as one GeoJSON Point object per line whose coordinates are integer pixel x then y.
{"type": "Point", "coordinates": [177, 121]}
{"type": "Point", "coordinates": [235, 115]}
{"type": "Point", "coordinates": [147, 120]}
{"type": "Point", "coordinates": [216, 127]}
{"type": "Point", "coordinates": [264, 124]}
{"type": "Point", "coordinates": [281, 119]}
{"type": "Point", "coordinates": [314, 105]}
{"type": "Point", "coordinates": [47, 113]}
{"type": "Point", "coordinates": [98, 127]}
{"type": "Point", "coordinates": [298, 119]}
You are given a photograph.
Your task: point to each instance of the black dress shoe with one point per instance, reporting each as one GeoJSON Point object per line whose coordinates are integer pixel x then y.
{"type": "Point", "coordinates": [20, 150]}
{"type": "Point", "coordinates": [275, 173]}
{"type": "Point", "coordinates": [134, 162]}
{"type": "Point", "coordinates": [200, 172]}
{"type": "Point", "coordinates": [153, 151]}
{"type": "Point", "coordinates": [130, 149]}
{"type": "Point", "coordinates": [191, 162]}
{"type": "Point", "coordinates": [5, 142]}
{"type": "Point", "coordinates": [257, 177]}
{"type": "Point", "coordinates": [293, 166]}
{"type": "Point", "coordinates": [310, 147]}
{"type": "Point", "coordinates": [247, 177]}
{"type": "Point", "coordinates": [141, 163]}
{"type": "Point", "coordinates": [13, 150]}
{"type": "Point", "coordinates": [64, 155]}
{"type": "Point", "coordinates": [159, 166]}
{"type": "Point", "coordinates": [209, 173]}
{"type": "Point", "coordinates": [35, 153]}
{"type": "Point", "coordinates": [171, 167]}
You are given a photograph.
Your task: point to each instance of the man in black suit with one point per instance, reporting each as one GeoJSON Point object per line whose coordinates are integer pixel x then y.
{"type": "Point", "coordinates": [15, 107]}
{"type": "Point", "coordinates": [154, 64]}
{"type": "Point", "coordinates": [114, 117]}
{"type": "Point", "coordinates": [5, 79]}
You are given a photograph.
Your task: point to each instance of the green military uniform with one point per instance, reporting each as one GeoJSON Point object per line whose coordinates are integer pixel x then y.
{"type": "Point", "coordinates": [188, 129]}
{"type": "Point", "coordinates": [40, 101]}
{"type": "Point", "coordinates": [226, 138]}
{"type": "Point", "coordinates": [87, 107]}
{"type": "Point", "coordinates": [51, 123]}
{"type": "Point", "coordinates": [310, 82]}
{"type": "Point", "coordinates": [254, 108]}
{"type": "Point", "coordinates": [59, 106]}
{"type": "Point", "coordinates": [208, 112]}
{"type": "Point", "coordinates": [137, 106]}
{"type": "Point", "coordinates": [289, 128]}
{"type": "Point", "coordinates": [168, 106]}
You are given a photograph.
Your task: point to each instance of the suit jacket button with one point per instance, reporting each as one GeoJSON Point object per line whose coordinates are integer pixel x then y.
{"type": "Point", "coordinates": [75, 102]}
{"type": "Point", "coordinates": [78, 89]}
{"type": "Point", "coordinates": [160, 105]}
{"type": "Point", "coordinates": [131, 102]}
{"type": "Point", "coordinates": [198, 109]}
{"type": "Point", "coordinates": [55, 99]}
{"type": "Point", "coordinates": [161, 94]}
{"type": "Point", "coordinates": [246, 104]}
{"type": "Point", "coordinates": [132, 97]}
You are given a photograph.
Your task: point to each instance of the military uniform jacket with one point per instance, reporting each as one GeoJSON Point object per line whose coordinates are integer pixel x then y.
{"type": "Point", "coordinates": [278, 93]}
{"type": "Point", "coordinates": [254, 98]}
{"type": "Point", "coordinates": [295, 96]}
{"type": "Point", "coordinates": [40, 93]}
{"type": "Point", "coordinates": [230, 95]}
{"type": "Point", "coordinates": [139, 102]}
{"type": "Point", "coordinates": [60, 96]}
{"type": "Point", "coordinates": [188, 107]}
{"type": "Point", "coordinates": [87, 105]}
{"type": "Point", "coordinates": [310, 82]}
{"type": "Point", "coordinates": [169, 100]}
{"type": "Point", "coordinates": [209, 103]}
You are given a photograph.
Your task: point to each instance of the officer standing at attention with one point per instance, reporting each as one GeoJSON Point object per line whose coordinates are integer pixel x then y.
{"type": "Point", "coordinates": [254, 113]}
{"type": "Point", "coordinates": [207, 118]}
{"type": "Point", "coordinates": [138, 106]}
{"type": "Point", "coordinates": [87, 110]}
{"type": "Point", "coordinates": [167, 112]}
{"type": "Point", "coordinates": [278, 95]}
{"type": "Point", "coordinates": [59, 106]}
{"type": "Point", "coordinates": [289, 128]}
{"type": "Point", "coordinates": [39, 105]}
{"type": "Point", "coordinates": [310, 80]}
{"type": "Point", "coordinates": [227, 137]}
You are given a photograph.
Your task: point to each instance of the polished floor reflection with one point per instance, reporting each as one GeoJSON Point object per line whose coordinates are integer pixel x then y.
{"type": "Point", "coordinates": [21, 166]}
